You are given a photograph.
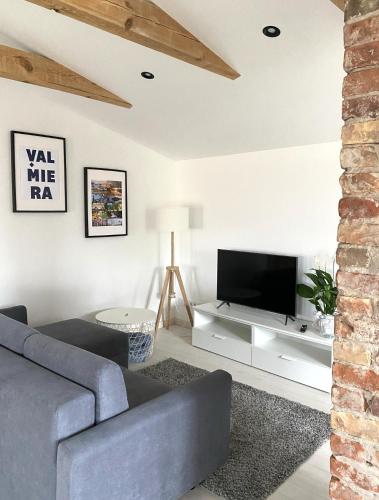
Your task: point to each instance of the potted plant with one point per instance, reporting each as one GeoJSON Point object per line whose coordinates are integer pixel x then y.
{"type": "Point", "coordinates": [323, 295]}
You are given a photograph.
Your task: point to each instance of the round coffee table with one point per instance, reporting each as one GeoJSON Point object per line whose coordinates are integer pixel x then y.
{"type": "Point", "coordinates": [138, 323]}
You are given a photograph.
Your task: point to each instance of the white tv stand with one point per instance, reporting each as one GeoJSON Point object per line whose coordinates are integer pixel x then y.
{"type": "Point", "coordinates": [262, 340]}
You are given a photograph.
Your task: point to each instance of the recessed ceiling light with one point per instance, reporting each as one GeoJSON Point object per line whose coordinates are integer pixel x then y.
{"type": "Point", "coordinates": [147, 75]}
{"type": "Point", "coordinates": [271, 31]}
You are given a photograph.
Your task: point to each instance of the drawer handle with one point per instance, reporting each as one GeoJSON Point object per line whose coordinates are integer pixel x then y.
{"type": "Point", "coordinates": [290, 358]}
{"type": "Point", "coordinates": [287, 358]}
{"type": "Point", "coordinates": [218, 337]}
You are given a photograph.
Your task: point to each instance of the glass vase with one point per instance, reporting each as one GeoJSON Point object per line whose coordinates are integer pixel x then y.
{"type": "Point", "coordinates": [326, 325]}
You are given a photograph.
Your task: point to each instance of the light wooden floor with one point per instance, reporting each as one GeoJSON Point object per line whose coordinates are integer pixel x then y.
{"type": "Point", "coordinates": [310, 481]}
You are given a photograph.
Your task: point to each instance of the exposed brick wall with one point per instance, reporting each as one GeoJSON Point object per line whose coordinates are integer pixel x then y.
{"type": "Point", "coordinates": [355, 394]}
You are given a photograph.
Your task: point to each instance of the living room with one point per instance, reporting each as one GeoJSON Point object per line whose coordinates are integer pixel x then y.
{"type": "Point", "coordinates": [228, 136]}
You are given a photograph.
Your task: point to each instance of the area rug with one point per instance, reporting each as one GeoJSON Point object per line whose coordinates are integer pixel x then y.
{"type": "Point", "coordinates": [270, 436]}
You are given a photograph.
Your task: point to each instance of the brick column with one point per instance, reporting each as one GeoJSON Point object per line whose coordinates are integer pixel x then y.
{"type": "Point", "coordinates": [355, 393]}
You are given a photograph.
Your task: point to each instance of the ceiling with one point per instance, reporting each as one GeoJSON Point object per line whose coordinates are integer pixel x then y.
{"type": "Point", "coordinates": [289, 93]}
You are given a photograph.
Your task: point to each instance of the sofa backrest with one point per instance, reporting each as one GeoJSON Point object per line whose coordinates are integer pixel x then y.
{"type": "Point", "coordinates": [13, 334]}
{"type": "Point", "coordinates": [101, 376]}
{"type": "Point", "coordinates": [38, 409]}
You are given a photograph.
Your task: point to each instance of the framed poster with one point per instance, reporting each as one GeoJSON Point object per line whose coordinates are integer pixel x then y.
{"type": "Point", "coordinates": [38, 172]}
{"type": "Point", "coordinates": [106, 202]}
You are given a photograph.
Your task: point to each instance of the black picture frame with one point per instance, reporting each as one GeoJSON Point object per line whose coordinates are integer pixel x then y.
{"type": "Point", "coordinates": [14, 170]}
{"type": "Point", "coordinates": [88, 215]}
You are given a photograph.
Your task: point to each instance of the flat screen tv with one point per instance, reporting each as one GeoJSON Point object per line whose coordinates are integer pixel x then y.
{"type": "Point", "coordinates": [257, 280]}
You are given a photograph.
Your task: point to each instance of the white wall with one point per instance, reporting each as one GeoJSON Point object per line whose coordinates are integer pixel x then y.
{"type": "Point", "coordinates": [279, 201]}
{"type": "Point", "coordinates": [46, 262]}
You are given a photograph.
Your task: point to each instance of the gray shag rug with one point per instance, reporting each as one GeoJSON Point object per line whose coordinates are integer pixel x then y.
{"type": "Point", "coordinates": [270, 436]}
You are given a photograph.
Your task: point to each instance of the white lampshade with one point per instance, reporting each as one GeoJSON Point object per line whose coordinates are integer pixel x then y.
{"type": "Point", "coordinates": [173, 219]}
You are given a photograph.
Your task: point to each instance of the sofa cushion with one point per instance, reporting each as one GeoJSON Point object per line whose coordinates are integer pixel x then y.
{"type": "Point", "coordinates": [18, 313]}
{"type": "Point", "coordinates": [102, 376]}
{"type": "Point", "coordinates": [91, 337]}
{"type": "Point", "coordinates": [13, 334]}
{"type": "Point", "coordinates": [142, 389]}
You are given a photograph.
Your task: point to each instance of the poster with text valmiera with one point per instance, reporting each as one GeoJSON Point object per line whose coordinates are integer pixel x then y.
{"type": "Point", "coordinates": [39, 173]}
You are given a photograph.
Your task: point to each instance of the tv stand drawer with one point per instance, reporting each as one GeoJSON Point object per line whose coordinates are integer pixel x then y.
{"type": "Point", "coordinates": [292, 367]}
{"type": "Point", "coordinates": [224, 343]}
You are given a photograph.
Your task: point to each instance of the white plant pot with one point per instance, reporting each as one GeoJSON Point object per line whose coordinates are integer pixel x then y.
{"type": "Point", "coordinates": [326, 325]}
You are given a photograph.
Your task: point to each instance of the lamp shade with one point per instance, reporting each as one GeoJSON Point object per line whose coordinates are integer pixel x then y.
{"type": "Point", "coordinates": [173, 219]}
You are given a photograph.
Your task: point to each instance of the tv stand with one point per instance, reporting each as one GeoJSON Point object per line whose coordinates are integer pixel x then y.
{"type": "Point", "coordinates": [222, 303]}
{"type": "Point", "coordinates": [261, 340]}
{"type": "Point", "coordinates": [289, 317]}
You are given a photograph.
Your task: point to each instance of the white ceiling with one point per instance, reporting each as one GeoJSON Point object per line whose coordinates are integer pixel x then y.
{"type": "Point", "coordinates": [289, 92]}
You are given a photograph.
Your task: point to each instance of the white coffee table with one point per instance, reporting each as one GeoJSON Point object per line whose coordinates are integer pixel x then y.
{"type": "Point", "coordinates": [138, 323]}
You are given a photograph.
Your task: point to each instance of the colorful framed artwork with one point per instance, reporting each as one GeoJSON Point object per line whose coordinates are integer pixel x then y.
{"type": "Point", "coordinates": [38, 172]}
{"type": "Point", "coordinates": [106, 202]}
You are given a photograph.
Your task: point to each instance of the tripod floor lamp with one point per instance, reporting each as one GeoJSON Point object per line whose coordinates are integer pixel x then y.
{"type": "Point", "coordinates": [172, 220]}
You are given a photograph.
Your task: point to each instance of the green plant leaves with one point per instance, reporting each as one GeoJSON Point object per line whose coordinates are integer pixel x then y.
{"type": "Point", "coordinates": [313, 277]}
{"type": "Point", "coordinates": [305, 291]}
{"type": "Point", "coordinates": [323, 294]}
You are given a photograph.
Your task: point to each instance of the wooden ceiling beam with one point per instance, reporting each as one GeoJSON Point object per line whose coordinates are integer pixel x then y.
{"type": "Point", "coordinates": [142, 22]}
{"type": "Point", "coordinates": [339, 3]}
{"type": "Point", "coordinates": [38, 70]}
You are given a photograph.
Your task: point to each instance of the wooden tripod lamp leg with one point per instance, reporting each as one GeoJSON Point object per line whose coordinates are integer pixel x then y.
{"type": "Point", "coordinates": [163, 296]}
{"type": "Point", "coordinates": [184, 295]}
{"type": "Point", "coordinates": [171, 293]}
{"type": "Point", "coordinates": [170, 297]}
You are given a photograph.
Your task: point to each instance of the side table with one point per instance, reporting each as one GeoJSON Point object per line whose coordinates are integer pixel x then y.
{"type": "Point", "coordinates": [138, 323]}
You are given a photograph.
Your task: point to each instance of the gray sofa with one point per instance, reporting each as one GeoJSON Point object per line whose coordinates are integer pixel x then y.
{"type": "Point", "coordinates": [77, 426]}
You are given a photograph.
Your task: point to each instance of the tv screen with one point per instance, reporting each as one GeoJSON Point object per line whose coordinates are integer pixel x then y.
{"type": "Point", "coordinates": [257, 280]}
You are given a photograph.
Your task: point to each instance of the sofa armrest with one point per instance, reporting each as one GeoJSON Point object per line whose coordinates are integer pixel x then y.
{"type": "Point", "coordinates": [105, 342]}
{"type": "Point", "coordinates": [158, 450]}
{"type": "Point", "coordinates": [18, 313]}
